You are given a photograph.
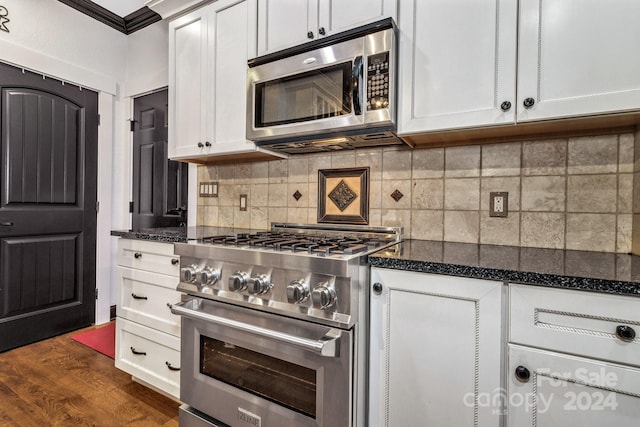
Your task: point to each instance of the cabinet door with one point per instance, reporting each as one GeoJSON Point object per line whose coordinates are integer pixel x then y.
{"type": "Point", "coordinates": [188, 86]}
{"type": "Point", "coordinates": [285, 23]}
{"type": "Point", "coordinates": [338, 15]}
{"type": "Point", "coordinates": [436, 349]}
{"type": "Point", "coordinates": [232, 38]}
{"type": "Point", "coordinates": [563, 390]}
{"type": "Point", "coordinates": [457, 64]}
{"type": "Point", "coordinates": [578, 57]}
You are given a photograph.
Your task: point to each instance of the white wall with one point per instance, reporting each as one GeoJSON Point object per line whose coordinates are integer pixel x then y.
{"type": "Point", "coordinates": [49, 37]}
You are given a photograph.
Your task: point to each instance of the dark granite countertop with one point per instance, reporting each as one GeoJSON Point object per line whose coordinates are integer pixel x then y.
{"type": "Point", "coordinates": [176, 234]}
{"type": "Point", "coordinates": [580, 270]}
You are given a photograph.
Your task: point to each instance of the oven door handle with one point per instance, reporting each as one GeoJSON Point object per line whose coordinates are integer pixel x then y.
{"type": "Point", "coordinates": [326, 346]}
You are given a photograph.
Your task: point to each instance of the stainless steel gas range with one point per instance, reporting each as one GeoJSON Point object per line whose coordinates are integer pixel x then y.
{"type": "Point", "coordinates": [274, 326]}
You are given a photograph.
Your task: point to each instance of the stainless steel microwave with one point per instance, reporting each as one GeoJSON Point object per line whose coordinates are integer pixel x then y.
{"type": "Point", "coordinates": [337, 93]}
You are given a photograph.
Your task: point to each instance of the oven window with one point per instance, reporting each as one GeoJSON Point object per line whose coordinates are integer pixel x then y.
{"type": "Point", "coordinates": [313, 95]}
{"type": "Point", "coordinates": [289, 385]}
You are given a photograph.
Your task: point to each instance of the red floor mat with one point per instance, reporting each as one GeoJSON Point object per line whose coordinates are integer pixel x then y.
{"type": "Point", "coordinates": [102, 339]}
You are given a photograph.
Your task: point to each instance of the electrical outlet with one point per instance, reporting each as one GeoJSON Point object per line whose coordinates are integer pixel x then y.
{"type": "Point", "coordinates": [499, 204]}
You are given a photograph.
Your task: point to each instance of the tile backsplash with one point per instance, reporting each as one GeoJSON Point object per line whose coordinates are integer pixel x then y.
{"type": "Point", "coordinates": [573, 193]}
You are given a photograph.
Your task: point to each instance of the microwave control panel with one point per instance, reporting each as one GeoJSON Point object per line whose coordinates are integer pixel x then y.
{"type": "Point", "coordinates": [378, 81]}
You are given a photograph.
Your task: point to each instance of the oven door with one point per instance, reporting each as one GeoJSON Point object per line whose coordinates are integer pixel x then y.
{"type": "Point", "coordinates": [245, 367]}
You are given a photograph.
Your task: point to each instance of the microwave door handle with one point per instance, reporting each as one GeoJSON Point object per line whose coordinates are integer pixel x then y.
{"type": "Point", "coordinates": [357, 86]}
{"type": "Point", "coordinates": [325, 346]}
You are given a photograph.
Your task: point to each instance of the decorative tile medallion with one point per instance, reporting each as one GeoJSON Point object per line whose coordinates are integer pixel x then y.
{"type": "Point", "coordinates": [397, 195]}
{"type": "Point", "coordinates": [342, 196]}
{"type": "Point", "coordinates": [297, 195]}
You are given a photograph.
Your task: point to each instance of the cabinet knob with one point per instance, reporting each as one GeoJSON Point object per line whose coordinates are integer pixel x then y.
{"type": "Point", "coordinates": [528, 102]}
{"type": "Point", "coordinates": [207, 144]}
{"type": "Point", "coordinates": [321, 31]}
{"type": "Point", "coordinates": [505, 106]}
{"type": "Point", "coordinates": [175, 261]}
{"type": "Point", "coordinates": [137, 255]}
{"type": "Point", "coordinates": [625, 333]}
{"type": "Point", "coordinates": [522, 374]}
{"type": "Point", "coordinates": [377, 288]}
{"type": "Point", "coordinates": [200, 145]}
{"type": "Point", "coordinates": [310, 35]}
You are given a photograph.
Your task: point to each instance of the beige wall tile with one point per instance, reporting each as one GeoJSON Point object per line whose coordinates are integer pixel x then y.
{"type": "Point", "coordinates": [428, 163]}
{"type": "Point", "coordinates": [317, 163]}
{"type": "Point", "coordinates": [259, 218]}
{"type": "Point", "coordinates": [226, 172]}
{"type": "Point", "coordinates": [375, 195]}
{"type": "Point", "coordinates": [298, 215]}
{"type": "Point", "coordinates": [625, 193]}
{"type": "Point", "coordinates": [259, 195]}
{"type": "Point", "coordinates": [427, 224]}
{"type": "Point", "coordinates": [226, 216]}
{"type": "Point", "coordinates": [591, 232]}
{"type": "Point", "coordinates": [461, 226]}
{"type": "Point", "coordinates": [372, 159]}
{"type": "Point", "coordinates": [389, 186]}
{"type": "Point", "coordinates": [259, 172]}
{"type": "Point", "coordinates": [278, 196]}
{"type": "Point", "coordinates": [544, 157]}
{"type": "Point", "coordinates": [499, 230]}
{"type": "Point", "coordinates": [375, 217]}
{"type": "Point", "coordinates": [626, 153]}
{"type": "Point", "coordinates": [635, 234]}
{"type": "Point", "coordinates": [542, 230]}
{"type": "Point", "coordinates": [543, 193]}
{"type": "Point", "coordinates": [312, 216]}
{"type": "Point", "coordinates": [209, 215]}
{"type": "Point", "coordinates": [593, 154]}
{"type": "Point", "coordinates": [510, 185]}
{"type": "Point", "coordinates": [298, 169]}
{"type": "Point", "coordinates": [462, 161]}
{"type": "Point", "coordinates": [277, 214]}
{"type": "Point", "coordinates": [397, 218]}
{"type": "Point", "coordinates": [242, 173]}
{"type": "Point", "coordinates": [462, 194]}
{"type": "Point", "coordinates": [591, 193]}
{"type": "Point", "coordinates": [501, 159]}
{"type": "Point", "coordinates": [301, 187]}
{"type": "Point", "coordinates": [624, 234]}
{"type": "Point", "coordinates": [428, 194]}
{"type": "Point", "coordinates": [207, 173]}
{"type": "Point", "coordinates": [396, 164]}
{"type": "Point", "coordinates": [242, 219]}
{"type": "Point", "coordinates": [313, 194]}
{"type": "Point", "coordinates": [343, 159]}
{"type": "Point", "coordinates": [226, 195]}
{"type": "Point", "coordinates": [278, 171]}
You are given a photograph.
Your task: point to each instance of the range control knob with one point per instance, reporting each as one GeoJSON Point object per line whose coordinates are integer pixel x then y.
{"type": "Point", "coordinates": [238, 281]}
{"type": "Point", "coordinates": [259, 284]}
{"type": "Point", "coordinates": [323, 295]}
{"type": "Point", "coordinates": [188, 274]}
{"type": "Point", "coordinates": [208, 276]}
{"type": "Point", "coordinates": [297, 291]}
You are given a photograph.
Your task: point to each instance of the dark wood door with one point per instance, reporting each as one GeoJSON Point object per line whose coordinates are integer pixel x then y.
{"type": "Point", "coordinates": [48, 176]}
{"type": "Point", "coordinates": [159, 184]}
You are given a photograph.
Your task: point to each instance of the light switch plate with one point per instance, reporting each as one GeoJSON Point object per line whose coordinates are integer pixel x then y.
{"type": "Point", "coordinates": [208, 189]}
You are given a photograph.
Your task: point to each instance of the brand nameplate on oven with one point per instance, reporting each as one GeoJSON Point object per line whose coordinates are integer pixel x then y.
{"type": "Point", "coordinates": [248, 418]}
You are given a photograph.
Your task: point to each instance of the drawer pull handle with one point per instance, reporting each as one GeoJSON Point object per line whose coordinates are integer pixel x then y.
{"type": "Point", "coordinates": [137, 255]}
{"type": "Point", "coordinates": [138, 296]}
{"type": "Point", "coordinates": [522, 374]}
{"type": "Point", "coordinates": [175, 261]}
{"type": "Point", "coordinates": [138, 353]}
{"type": "Point", "coordinates": [6, 224]}
{"type": "Point", "coordinates": [171, 367]}
{"type": "Point", "coordinates": [625, 333]}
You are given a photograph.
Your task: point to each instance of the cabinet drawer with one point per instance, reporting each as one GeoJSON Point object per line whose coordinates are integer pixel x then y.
{"type": "Point", "coordinates": [583, 323]}
{"type": "Point", "coordinates": [144, 297]}
{"type": "Point", "coordinates": [148, 355]}
{"type": "Point", "coordinates": [149, 256]}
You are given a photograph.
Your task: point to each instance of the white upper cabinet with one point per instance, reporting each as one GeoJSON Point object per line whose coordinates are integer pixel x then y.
{"type": "Point", "coordinates": [286, 23]}
{"type": "Point", "coordinates": [208, 53]}
{"type": "Point", "coordinates": [462, 63]}
{"type": "Point", "coordinates": [457, 64]}
{"type": "Point", "coordinates": [578, 57]}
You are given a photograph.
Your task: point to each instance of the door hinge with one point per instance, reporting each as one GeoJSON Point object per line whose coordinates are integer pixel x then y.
{"type": "Point", "coordinates": [98, 119]}
{"type": "Point", "coordinates": [97, 206]}
{"type": "Point", "coordinates": [132, 125]}
{"type": "Point", "coordinates": [130, 207]}
{"type": "Point", "coordinates": [96, 293]}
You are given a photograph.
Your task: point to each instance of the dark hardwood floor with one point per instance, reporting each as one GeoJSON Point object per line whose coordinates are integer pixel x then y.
{"type": "Point", "coordinates": [59, 382]}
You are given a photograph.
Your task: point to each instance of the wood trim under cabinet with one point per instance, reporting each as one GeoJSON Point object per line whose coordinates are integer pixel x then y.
{"type": "Point", "coordinates": [561, 128]}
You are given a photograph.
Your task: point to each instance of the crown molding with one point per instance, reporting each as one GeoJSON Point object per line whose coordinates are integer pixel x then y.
{"type": "Point", "coordinates": [133, 22]}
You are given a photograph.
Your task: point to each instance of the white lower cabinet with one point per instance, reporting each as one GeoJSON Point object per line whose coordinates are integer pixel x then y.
{"type": "Point", "coordinates": [436, 350]}
{"type": "Point", "coordinates": [574, 359]}
{"type": "Point", "coordinates": [147, 333]}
